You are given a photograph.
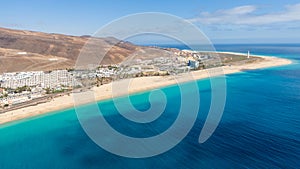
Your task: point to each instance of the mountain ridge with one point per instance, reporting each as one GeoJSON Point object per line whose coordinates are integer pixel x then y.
{"type": "Point", "coordinates": [23, 50]}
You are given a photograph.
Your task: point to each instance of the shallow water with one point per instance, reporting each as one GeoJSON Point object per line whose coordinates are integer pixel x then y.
{"type": "Point", "coordinates": [259, 129]}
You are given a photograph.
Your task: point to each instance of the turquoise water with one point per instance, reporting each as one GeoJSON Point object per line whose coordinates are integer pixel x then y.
{"type": "Point", "coordinates": [259, 129]}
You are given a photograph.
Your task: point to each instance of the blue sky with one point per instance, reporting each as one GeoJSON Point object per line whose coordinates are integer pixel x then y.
{"type": "Point", "coordinates": [230, 21]}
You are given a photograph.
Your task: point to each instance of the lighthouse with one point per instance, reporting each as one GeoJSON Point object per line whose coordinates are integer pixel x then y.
{"type": "Point", "coordinates": [248, 55]}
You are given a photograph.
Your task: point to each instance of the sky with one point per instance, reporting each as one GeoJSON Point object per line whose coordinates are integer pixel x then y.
{"type": "Point", "coordinates": [230, 21]}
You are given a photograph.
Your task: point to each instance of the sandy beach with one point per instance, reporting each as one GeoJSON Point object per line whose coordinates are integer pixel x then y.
{"type": "Point", "coordinates": [129, 86]}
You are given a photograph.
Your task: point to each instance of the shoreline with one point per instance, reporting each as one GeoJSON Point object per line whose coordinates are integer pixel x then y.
{"type": "Point", "coordinates": [136, 85]}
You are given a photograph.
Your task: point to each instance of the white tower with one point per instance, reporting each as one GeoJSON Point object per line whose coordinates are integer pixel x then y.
{"type": "Point", "coordinates": [248, 56]}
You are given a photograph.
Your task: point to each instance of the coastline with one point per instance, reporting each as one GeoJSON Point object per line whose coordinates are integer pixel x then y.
{"type": "Point", "coordinates": [136, 85]}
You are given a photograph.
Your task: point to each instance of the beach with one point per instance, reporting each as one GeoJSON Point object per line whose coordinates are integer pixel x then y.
{"type": "Point", "coordinates": [130, 86]}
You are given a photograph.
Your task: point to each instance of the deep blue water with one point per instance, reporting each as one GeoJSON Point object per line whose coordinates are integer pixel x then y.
{"type": "Point", "coordinates": [260, 127]}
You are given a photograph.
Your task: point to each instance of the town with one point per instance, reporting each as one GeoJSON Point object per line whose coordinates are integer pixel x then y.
{"type": "Point", "coordinates": [20, 87]}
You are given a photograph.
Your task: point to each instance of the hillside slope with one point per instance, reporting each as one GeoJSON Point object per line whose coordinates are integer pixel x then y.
{"type": "Point", "coordinates": [27, 50]}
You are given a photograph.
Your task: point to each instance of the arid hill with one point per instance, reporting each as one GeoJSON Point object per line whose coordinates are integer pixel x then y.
{"type": "Point", "coordinates": [29, 51]}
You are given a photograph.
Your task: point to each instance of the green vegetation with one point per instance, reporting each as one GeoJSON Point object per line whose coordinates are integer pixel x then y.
{"type": "Point", "coordinates": [70, 69]}
{"type": "Point", "coordinates": [4, 95]}
{"type": "Point", "coordinates": [54, 91]}
{"type": "Point", "coordinates": [48, 90]}
{"type": "Point", "coordinates": [22, 89]}
{"type": "Point", "coordinates": [112, 67]}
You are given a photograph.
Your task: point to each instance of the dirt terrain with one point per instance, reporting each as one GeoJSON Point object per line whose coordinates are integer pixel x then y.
{"type": "Point", "coordinates": [28, 51]}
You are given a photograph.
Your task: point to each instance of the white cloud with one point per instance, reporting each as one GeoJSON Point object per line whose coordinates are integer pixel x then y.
{"type": "Point", "coordinates": [241, 10]}
{"type": "Point", "coordinates": [246, 15]}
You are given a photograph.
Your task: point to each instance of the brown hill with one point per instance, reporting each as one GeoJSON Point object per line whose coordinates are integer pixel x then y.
{"type": "Point", "coordinates": [28, 50]}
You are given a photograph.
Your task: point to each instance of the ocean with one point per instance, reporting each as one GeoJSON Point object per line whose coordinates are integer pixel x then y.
{"type": "Point", "coordinates": [260, 126]}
